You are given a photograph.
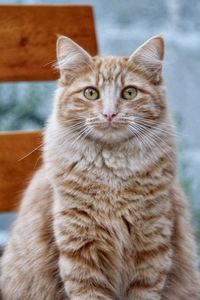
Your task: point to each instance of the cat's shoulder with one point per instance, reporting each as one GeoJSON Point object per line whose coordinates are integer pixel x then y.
{"type": "Point", "coordinates": [38, 191]}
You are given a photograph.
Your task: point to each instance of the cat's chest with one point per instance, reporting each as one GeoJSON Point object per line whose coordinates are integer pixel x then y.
{"type": "Point", "coordinates": [123, 212]}
{"type": "Point", "coordinates": [125, 208]}
{"type": "Point", "coordinates": [111, 197]}
{"type": "Point", "coordinates": [119, 222]}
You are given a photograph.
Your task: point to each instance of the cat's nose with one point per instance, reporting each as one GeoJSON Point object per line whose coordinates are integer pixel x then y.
{"type": "Point", "coordinates": [110, 116]}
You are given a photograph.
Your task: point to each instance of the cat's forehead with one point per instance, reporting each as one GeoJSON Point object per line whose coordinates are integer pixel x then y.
{"type": "Point", "coordinates": [113, 69]}
{"type": "Point", "coordinates": [109, 68]}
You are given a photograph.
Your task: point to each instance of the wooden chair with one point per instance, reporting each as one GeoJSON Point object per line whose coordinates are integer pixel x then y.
{"type": "Point", "coordinates": [27, 48]}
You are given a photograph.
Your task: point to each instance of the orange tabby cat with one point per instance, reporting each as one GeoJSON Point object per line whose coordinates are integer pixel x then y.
{"type": "Point", "coordinates": [104, 218]}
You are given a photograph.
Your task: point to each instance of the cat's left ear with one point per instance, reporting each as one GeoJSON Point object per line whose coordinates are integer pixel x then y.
{"type": "Point", "coordinates": [70, 57]}
{"type": "Point", "coordinates": [149, 57]}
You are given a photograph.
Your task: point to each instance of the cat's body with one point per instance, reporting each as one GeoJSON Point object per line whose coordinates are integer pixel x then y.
{"type": "Point", "coordinates": [104, 218]}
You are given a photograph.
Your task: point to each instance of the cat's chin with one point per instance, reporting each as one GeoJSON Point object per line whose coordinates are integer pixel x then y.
{"type": "Point", "coordinates": [111, 135]}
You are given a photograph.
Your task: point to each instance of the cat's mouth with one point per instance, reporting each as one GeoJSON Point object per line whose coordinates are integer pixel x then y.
{"type": "Point", "coordinates": [109, 132]}
{"type": "Point", "coordinates": [109, 126]}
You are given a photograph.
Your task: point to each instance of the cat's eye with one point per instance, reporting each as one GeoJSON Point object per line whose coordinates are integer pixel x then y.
{"type": "Point", "coordinates": [129, 93]}
{"type": "Point", "coordinates": [91, 93]}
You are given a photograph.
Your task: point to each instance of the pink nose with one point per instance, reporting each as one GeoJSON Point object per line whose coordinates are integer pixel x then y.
{"type": "Point", "coordinates": [109, 117]}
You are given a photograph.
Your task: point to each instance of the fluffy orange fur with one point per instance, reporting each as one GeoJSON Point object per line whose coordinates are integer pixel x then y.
{"type": "Point", "coordinates": [104, 218]}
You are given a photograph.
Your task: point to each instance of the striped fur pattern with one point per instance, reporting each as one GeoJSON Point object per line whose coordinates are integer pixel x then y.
{"type": "Point", "coordinates": [104, 218]}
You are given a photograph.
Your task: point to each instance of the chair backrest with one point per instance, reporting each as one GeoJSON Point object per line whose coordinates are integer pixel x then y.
{"type": "Point", "coordinates": [27, 50]}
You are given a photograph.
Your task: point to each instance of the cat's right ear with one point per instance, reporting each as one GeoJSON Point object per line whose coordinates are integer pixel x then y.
{"type": "Point", "coordinates": [70, 56]}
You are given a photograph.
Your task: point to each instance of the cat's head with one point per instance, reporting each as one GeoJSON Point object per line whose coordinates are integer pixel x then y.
{"type": "Point", "coordinates": [110, 99]}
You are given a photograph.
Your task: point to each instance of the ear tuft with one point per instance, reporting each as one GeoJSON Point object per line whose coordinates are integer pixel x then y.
{"type": "Point", "coordinates": [70, 56]}
{"type": "Point", "coordinates": [150, 56]}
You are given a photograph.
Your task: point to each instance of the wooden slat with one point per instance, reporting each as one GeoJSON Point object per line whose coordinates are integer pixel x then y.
{"type": "Point", "coordinates": [28, 37]}
{"type": "Point", "coordinates": [18, 161]}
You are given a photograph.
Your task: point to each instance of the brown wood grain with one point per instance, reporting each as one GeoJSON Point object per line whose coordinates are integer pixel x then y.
{"type": "Point", "coordinates": [20, 156]}
{"type": "Point", "coordinates": [28, 36]}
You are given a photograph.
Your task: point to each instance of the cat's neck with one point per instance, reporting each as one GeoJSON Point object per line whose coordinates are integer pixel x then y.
{"type": "Point", "coordinates": [113, 164]}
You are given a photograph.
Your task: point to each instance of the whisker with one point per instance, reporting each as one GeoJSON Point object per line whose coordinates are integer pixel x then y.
{"type": "Point", "coordinates": [20, 159]}
{"type": "Point", "coordinates": [167, 130]}
{"type": "Point", "coordinates": [135, 135]}
{"type": "Point", "coordinates": [150, 121]}
{"type": "Point", "coordinates": [82, 132]}
{"type": "Point", "coordinates": [146, 140]}
{"type": "Point", "coordinates": [150, 132]}
{"type": "Point", "coordinates": [152, 140]}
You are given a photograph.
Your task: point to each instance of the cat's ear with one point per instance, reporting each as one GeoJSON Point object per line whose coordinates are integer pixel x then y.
{"type": "Point", "coordinates": [149, 57]}
{"type": "Point", "coordinates": [70, 56]}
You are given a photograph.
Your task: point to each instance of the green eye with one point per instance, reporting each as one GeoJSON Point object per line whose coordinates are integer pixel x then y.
{"type": "Point", "coordinates": [91, 93]}
{"type": "Point", "coordinates": [129, 93]}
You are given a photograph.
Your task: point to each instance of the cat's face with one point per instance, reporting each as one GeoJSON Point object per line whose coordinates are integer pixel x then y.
{"type": "Point", "coordinates": [110, 99]}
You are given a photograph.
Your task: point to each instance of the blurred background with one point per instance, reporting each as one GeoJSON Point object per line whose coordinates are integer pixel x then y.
{"type": "Point", "coordinates": [121, 27]}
